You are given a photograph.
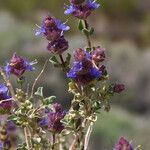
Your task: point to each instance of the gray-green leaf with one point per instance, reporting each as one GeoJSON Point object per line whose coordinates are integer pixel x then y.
{"type": "Point", "coordinates": [39, 92]}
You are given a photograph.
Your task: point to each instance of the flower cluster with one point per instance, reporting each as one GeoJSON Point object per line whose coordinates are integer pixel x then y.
{"type": "Point", "coordinates": [18, 65]}
{"type": "Point", "coordinates": [85, 68]}
{"type": "Point", "coordinates": [53, 30]}
{"type": "Point", "coordinates": [123, 144]}
{"type": "Point", "coordinates": [5, 99]}
{"type": "Point", "coordinates": [81, 8]}
{"type": "Point", "coordinates": [53, 119]}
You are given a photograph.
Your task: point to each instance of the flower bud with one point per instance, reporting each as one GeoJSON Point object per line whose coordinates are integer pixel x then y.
{"type": "Point", "coordinates": [82, 12]}
{"type": "Point", "coordinates": [123, 144]}
{"type": "Point", "coordinates": [98, 55]}
{"type": "Point", "coordinates": [58, 46]}
{"type": "Point", "coordinates": [79, 54]}
{"type": "Point", "coordinates": [53, 35]}
{"type": "Point", "coordinates": [118, 88]}
{"type": "Point", "coordinates": [57, 107]}
{"type": "Point", "coordinates": [49, 22]}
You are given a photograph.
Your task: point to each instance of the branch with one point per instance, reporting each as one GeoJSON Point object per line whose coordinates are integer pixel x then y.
{"type": "Point", "coordinates": [74, 143]}
{"type": "Point", "coordinates": [27, 138]}
{"type": "Point", "coordinates": [87, 36]}
{"type": "Point", "coordinates": [35, 81]}
{"type": "Point", "coordinates": [87, 136]}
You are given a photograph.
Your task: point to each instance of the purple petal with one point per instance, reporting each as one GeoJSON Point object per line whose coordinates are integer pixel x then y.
{"type": "Point", "coordinates": [70, 9]}
{"type": "Point", "coordinates": [7, 69]}
{"type": "Point", "coordinates": [92, 4]}
{"type": "Point", "coordinates": [62, 26]}
{"type": "Point", "coordinates": [40, 31]}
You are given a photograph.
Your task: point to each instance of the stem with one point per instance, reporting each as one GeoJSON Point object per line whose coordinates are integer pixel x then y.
{"type": "Point", "coordinates": [87, 136]}
{"type": "Point", "coordinates": [53, 141]}
{"type": "Point", "coordinates": [74, 143]}
{"type": "Point", "coordinates": [88, 36]}
{"type": "Point", "coordinates": [27, 138]}
{"type": "Point", "coordinates": [7, 100]}
{"type": "Point", "coordinates": [35, 81]}
{"type": "Point", "coordinates": [62, 60]}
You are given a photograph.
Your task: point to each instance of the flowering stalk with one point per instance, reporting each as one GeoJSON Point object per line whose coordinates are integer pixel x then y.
{"type": "Point", "coordinates": [46, 125]}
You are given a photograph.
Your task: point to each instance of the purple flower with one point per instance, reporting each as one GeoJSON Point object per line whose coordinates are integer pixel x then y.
{"type": "Point", "coordinates": [58, 46]}
{"type": "Point", "coordinates": [4, 95]}
{"type": "Point", "coordinates": [52, 28]}
{"type": "Point", "coordinates": [98, 55]}
{"type": "Point", "coordinates": [18, 65]}
{"type": "Point", "coordinates": [61, 26]}
{"type": "Point", "coordinates": [123, 144]}
{"type": "Point", "coordinates": [11, 126]}
{"type": "Point", "coordinates": [5, 145]}
{"type": "Point", "coordinates": [3, 92]}
{"type": "Point", "coordinates": [54, 124]}
{"type": "Point", "coordinates": [83, 70]}
{"type": "Point", "coordinates": [53, 119]}
{"type": "Point", "coordinates": [40, 31]}
{"type": "Point", "coordinates": [43, 122]}
{"type": "Point", "coordinates": [118, 88]}
{"type": "Point", "coordinates": [81, 11]}
{"type": "Point", "coordinates": [92, 4]}
{"type": "Point", "coordinates": [69, 9]}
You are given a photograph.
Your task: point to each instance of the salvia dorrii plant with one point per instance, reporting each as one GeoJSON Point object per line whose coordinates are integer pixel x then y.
{"type": "Point", "coordinates": [42, 123]}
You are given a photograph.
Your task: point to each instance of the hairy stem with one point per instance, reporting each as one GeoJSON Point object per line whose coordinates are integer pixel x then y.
{"type": "Point", "coordinates": [87, 136]}
{"type": "Point", "coordinates": [88, 36]}
{"type": "Point", "coordinates": [35, 81]}
{"type": "Point", "coordinates": [27, 138]}
{"type": "Point", "coordinates": [53, 141]}
{"type": "Point", "coordinates": [74, 143]}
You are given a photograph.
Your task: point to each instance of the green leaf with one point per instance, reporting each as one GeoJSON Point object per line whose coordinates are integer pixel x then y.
{"type": "Point", "coordinates": [13, 118]}
{"type": "Point", "coordinates": [72, 87]}
{"type": "Point", "coordinates": [86, 32]}
{"type": "Point", "coordinates": [39, 92]}
{"type": "Point", "coordinates": [49, 100]}
{"type": "Point", "coordinates": [28, 104]}
{"type": "Point", "coordinates": [22, 147]}
{"type": "Point", "coordinates": [80, 25]}
{"type": "Point", "coordinates": [37, 140]}
{"type": "Point", "coordinates": [54, 60]}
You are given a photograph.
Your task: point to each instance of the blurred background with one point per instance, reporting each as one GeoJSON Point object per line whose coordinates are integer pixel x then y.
{"type": "Point", "coordinates": [123, 27]}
